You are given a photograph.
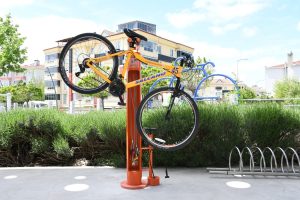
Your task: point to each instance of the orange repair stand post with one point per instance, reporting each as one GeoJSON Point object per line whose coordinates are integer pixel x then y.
{"type": "Point", "coordinates": [152, 180]}
{"type": "Point", "coordinates": [133, 163]}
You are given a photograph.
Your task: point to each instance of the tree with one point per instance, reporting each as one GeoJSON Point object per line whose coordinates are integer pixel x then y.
{"type": "Point", "coordinates": [192, 78]}
{"type": "Point", "coordinates": [288, 88]}
{"type": "Point", "coordinates": [23, 92]}
{"type": "Point", "coordinates": [90, 81]}
{"type": "Point", "coordinates": [148, 71]}
{"type": "Point", "coordinates": [12, 54]}
{"type": "Point", "coordinates": [246, 93]}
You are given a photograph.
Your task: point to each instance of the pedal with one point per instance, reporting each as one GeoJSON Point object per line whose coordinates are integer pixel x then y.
{"type": "Point", "coordinates": [121, 102]}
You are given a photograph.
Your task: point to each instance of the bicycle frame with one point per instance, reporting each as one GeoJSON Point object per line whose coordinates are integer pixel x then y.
{"type": "Point", "coordinates": [132, 53]}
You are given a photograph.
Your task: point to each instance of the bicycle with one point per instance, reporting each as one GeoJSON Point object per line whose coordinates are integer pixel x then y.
{"type": "Point", "coordinates": [88, 64]}
{"type": "Point", "coordinates": [200, 94]}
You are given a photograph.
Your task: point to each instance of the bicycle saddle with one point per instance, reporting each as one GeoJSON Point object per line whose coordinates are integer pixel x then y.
{"type": "Point", "coordinates": [131, 34]}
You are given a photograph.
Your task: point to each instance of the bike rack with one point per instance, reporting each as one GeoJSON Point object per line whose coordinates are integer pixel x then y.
{"type": "Point", "coordinates": [133, 139]}
{"type": "Point", "coordinates": [258, 164]}
{"type": "Point", "coordinates": [195, 96]}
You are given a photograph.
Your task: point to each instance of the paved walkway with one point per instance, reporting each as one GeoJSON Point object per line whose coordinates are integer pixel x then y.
{"type": "Point", "coordinates": [72, 183]}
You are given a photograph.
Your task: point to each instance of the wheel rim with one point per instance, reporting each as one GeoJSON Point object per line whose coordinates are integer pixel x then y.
{"type": "Point", "coordinates": [75, 72]}
{"type": "Point", "coordinates": [168, 134]}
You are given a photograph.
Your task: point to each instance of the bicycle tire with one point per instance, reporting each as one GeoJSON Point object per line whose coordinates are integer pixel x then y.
{"type": "Point", "coordinates": [157, 120]}
{"type": "Point", "coordinates": [97, 85]}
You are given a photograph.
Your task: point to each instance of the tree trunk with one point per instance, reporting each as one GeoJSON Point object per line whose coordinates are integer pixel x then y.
{"type": "Point", "coordinates": [102, 103]}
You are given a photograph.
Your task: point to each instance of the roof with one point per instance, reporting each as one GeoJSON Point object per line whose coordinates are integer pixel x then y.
{"type": "Point", "coordinates": [59, 46]}
{"type": "Point", "coordinates": [282, 66]}
{"type": "Point", "coordinates": [221, 81]}
{"type": "Point", "coordinates": [137, 21]}
{"type": "Point", "coordinates": [107, 32]}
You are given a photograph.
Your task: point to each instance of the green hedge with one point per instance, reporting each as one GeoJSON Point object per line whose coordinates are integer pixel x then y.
{"type": "Point", "coordinates": [50, 137]}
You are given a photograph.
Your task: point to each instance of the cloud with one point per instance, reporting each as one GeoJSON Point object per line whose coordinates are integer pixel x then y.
{"type": "Point", "coordinates": [178, 37]}
{"type": "Point", "coordinates": [219, 30]}
{"type": "Point", "coordinates": [42, 32]}
{"type": "Point", "coordinates": [184, 18]}
{"type": "Point", "coordinates": [249, 31]}
{"type": "Point", "coordinates": [212, 51]}
{"type": "Point", "coordinates": [251, 71]}
{"type": "Point", "coordinates": [229, 9]}
{"type": "Point", "coordinates": [215, 11]}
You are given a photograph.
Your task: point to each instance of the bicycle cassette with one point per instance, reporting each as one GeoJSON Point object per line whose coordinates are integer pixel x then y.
{"type": "Point", "coordinates": [117, 87]}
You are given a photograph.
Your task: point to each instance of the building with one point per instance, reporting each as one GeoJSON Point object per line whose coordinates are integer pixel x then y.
{"type": "Point", "coordinates": [217, 87]}
{"type": "Point", "coordinates": [289, 69]}
{"type": "Point", "coordinates": [156, 48]}
{"type": "Point", "coordinates": [53, 82]}
{"type": "Point", "coordinates": [33, 73]}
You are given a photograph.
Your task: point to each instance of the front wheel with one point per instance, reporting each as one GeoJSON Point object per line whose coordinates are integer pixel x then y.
{"type": "Point", "coordinates": [167, 120]}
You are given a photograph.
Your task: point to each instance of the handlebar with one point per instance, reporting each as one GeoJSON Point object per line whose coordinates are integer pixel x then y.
{"type": "Point", "coordinates": [186, 59]}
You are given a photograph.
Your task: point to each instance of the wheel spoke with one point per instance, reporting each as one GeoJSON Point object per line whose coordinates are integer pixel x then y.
{"type": "Point", "coordinates": [76, 74]}
{"type": "Point", "coordinates": [174, 119]}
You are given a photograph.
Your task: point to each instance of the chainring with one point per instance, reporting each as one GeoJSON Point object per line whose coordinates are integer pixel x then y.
{"type": "Point", "coordinates": [117, 87]}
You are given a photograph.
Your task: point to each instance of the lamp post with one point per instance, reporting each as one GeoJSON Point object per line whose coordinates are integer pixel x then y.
{"type": "Point", "coordinates": [237, 68]}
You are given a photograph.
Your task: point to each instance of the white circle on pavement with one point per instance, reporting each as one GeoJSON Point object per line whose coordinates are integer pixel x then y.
{"type": "Point", "coordinates": [76, 187]}
{"type": "Point", "coordinates": [10, 177]}
{"type": "Point", "coordinates": [238, 175]}
{"type": "Point", "coordinates": [238, 184]}
{"type": "Point", "coordinates": [80, 177]}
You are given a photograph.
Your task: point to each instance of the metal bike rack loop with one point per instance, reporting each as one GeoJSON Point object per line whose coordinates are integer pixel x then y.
{"type": "Point", "coordinates": [258, 165]}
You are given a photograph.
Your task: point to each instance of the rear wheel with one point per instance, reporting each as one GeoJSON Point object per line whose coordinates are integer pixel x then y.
{"type": "Point", "coordinates": [76, 74]}
{"type": "Point", "coordinates": [172, 119]}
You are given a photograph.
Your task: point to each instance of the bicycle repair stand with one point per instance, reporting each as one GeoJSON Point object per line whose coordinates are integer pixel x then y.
{"type": "Point", "coordinates": [133, 140]}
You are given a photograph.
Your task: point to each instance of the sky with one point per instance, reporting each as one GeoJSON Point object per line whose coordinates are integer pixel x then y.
{"type": "Point", "coordinates": [243, 34]}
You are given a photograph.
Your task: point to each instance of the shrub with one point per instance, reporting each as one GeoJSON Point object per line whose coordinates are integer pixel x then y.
{"type": "Point", "coordinates": [220, 130]}
{"type": "Point", "coordinates": [271, 125]}
{"type": "Point", "coordinates": [50, 137]}
{"type": "Point", "coordinates": [61, 147]}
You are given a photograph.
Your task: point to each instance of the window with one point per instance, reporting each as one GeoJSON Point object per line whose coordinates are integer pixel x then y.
{"type": "Point", "coordinates": [148, 46]}
{"type": "Point", "coordinates": [171, 52]}
{"type": "Point", "coordinates": [99, 55]}
{"type": "Point", "coordinates": [51, 57]}
{"type": "Point", "coordinates": [142, 26]}
{"type": "Point", "coordinates": [51, 85]}
{"type": "Point", "coordinates": [158, 49]}
{"type": "Point", "coordinates": [51, 70]}
{"type": "Point", "coordinates": [64, 98]}
{"type": "Point", "coordinates": [130, 26]}
{"type": "Point", "coordinates": [180, 53]}
{"type": "Point", "coordinates": [52, 97]}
